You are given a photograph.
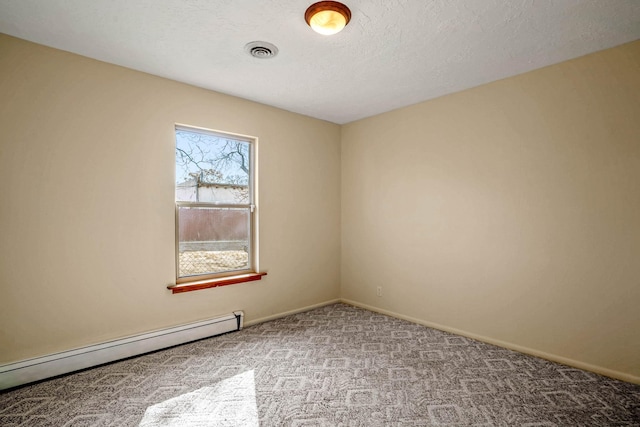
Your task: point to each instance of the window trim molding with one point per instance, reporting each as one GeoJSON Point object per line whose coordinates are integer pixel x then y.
{"type": "Point", "coordinates": [211, 280]}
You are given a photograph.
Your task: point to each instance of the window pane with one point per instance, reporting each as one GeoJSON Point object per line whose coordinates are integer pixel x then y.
{"type": "Point", "coordinates": [211, 168]}
{"type": "Point", "coordinates": [213, 240]}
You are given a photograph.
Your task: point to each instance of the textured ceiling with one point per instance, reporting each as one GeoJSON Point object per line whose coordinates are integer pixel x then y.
{"type": "Point", "coordinates": [393, 53]}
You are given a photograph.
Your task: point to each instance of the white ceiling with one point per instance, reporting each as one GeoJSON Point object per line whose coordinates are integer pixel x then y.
{"type": "Point", "coordinates": [393, 53]}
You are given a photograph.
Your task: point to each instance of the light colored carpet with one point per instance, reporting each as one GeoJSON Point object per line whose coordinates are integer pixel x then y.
{"type": "Point", "coordinates": [333, 366]}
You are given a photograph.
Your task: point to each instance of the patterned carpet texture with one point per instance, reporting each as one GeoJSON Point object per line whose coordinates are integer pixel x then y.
{"type": "Point", "coordinates": [333, 366]}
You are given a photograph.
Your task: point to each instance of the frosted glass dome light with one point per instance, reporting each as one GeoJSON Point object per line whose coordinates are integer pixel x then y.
{"type": "Point", "coordinates": [327, 17]}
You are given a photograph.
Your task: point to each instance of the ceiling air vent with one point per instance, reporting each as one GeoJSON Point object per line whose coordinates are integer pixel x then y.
{"type": "Point", "coordinates": [261, 50]}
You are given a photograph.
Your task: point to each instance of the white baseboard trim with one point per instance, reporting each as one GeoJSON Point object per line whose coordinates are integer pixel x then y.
{"type": "Point", "coordinates": [39, 368]}
{"type": "Point", "coordinates": [526, 350]}
{"type": "Point", "coordinates": [288, 313]}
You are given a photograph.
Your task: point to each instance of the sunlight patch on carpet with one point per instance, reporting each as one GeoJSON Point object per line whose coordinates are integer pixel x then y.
{"type": "Point", "coordinates": [231, 402]}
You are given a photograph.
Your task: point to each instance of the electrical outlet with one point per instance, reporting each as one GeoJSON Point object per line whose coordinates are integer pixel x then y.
{"type": "Point", "coordinates": [379, 291]}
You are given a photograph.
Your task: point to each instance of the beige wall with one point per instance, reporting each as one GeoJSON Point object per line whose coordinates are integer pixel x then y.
{"type": "Point", "coordinates": [86, 257]}
{"type": "Point", "coordinates": [509, 212]}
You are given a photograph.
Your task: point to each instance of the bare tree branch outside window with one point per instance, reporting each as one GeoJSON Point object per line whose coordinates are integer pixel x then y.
{"type": "Point", "coordinates": [207, 160]}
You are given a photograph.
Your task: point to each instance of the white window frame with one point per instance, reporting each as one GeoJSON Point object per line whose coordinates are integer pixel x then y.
{"type": "Point", "coordinates": [250, 206]}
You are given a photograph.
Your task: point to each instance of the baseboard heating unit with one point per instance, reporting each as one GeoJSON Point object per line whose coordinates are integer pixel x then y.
{"type": "Point", "coordinates": [39, 368]}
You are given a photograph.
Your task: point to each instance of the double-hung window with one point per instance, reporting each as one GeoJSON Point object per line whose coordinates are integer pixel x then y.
{"type": "Point", "coordinates": [215, 208]}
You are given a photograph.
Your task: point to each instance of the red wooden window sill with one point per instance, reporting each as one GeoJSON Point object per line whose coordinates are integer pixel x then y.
{"type": "Point", "coordinates": [214, 283]}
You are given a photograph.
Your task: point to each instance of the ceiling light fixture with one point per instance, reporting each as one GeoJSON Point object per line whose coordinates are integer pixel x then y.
{"type": "Point", "coordinates": [327, 17]}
